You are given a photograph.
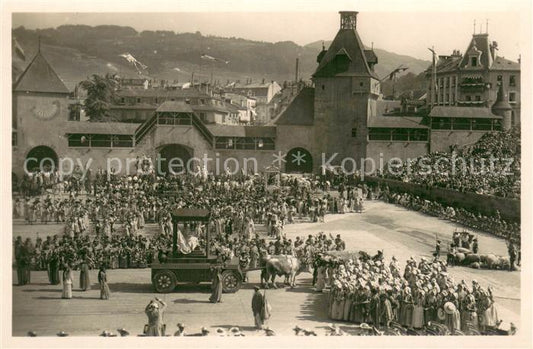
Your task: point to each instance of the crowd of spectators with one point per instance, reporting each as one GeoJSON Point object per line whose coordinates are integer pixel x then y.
{"type": "Point", "coordinates": [491, 166]}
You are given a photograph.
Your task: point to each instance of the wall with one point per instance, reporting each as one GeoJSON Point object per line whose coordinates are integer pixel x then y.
{"type": "Point", "coordinates": [382, 151]}
{"type": "Point", "coordinates": [485, 204]}
{"type": "Point", "coordinates": [441, 140]}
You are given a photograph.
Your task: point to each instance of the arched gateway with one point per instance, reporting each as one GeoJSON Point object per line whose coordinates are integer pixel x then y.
{"type": "Point", "coordinates": [174, 158]}
{"type": "Point", "coordinates": [42, 157]}
{"type": "Point", "coordinates": [299, 160]}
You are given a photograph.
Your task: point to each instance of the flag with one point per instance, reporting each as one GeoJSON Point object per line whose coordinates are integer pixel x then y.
{"type": "Point", "coordinates": [128, 56]}
{"type": "Point", "coordinates": [18, 49]}
{"type": "Point", "coordinates": [211, 58]}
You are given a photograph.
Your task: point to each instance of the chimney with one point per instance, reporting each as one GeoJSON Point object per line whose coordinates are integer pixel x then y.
{"type": "Point", "coordinates": [348, 19]}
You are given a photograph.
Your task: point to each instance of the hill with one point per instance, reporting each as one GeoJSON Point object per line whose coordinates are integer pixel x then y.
{"type": "Point", "coordinates": [77, 51]}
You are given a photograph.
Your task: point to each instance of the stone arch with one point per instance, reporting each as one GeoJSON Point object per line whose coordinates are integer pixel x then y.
{"type": "Point", "coordinates": [41, 157]}
{"type": "Point", "coordinates": [175, 155]}
{"type": "Point", "coordinates": [299, 160]}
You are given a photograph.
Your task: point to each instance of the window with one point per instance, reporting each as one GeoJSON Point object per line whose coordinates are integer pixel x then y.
{"type": "Point", "coordinates": [447, 97]}
{"type": "Point", "coordinates": [138, 100]}
{"type": "Point", "coordinates": [245, 143]}
{"type": "Point", "coordinates": [14, 139]}
{"type": "Point", "coordinates": [453, 81]}
{"type": "Point", "coordinates": [379, 134]}
{"type": "Point", "coordinates": [482, 124]}
{"type": "Point", "coordinates": [74, 112]}
{"type": "Point", "coordinates": [122, 100]}
{"type": "Point", "coordinates": [499, 78]}
{"type": "Point", "coordinates": [473, 61]}
{"type": "Point", "coordinates": [361, 84]}
{"type": "Point", "coordinates": [512, 97]}
{"type": "Point", "coordinates": [461, 124]}
{"type": "Point", "coordinates": [400, 134]}
{"type": "Point", "coordinates": [101, 140]}
{"type": "Point", "coordinates": [354, 132]}
{"type": "Point", "coordinates": [323, 87]}
{"type": "Point", "coordinates": [123, 141]}
{"type": "Point", "coordinates": [512, 80]}
{"type": "Point", "coordinates": [468, 98]}
{"type": "Point", "coordinates": [478, 98]}
{"type": "Point", "coordinates": [420, 135]}
{"type": "Point", "coordinates": [447, 82]}
{"type": "Point", "coordinates": [441, 124]}
{"type": "Point", "coordinates": [78, 140]}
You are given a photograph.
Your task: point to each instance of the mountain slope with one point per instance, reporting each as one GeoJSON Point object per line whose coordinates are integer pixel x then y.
{"type": "Point", "coordinates": [76, 51]}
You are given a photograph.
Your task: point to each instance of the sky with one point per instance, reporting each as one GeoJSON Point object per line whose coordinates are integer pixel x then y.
{"type": "Point", "coordinates": [402, 32]}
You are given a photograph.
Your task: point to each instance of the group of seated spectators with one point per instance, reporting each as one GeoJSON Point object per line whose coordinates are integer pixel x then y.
{"type": "Point", "coordinates": [494, 224]}
{"type": "Point", "coordinates": [491, 166]}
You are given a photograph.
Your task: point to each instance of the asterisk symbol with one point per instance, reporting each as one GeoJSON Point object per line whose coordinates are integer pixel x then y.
{"type": "Point", "coordinates": [279, 158]}
{"type": "Point", "coordinates": [298, 158]}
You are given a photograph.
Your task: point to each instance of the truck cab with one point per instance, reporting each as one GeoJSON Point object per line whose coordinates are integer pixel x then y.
{"type": "Point", "coordinates": [191, 259]}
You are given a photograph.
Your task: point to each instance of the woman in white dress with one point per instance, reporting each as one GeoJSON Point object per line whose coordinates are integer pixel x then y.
{"type": "Point", "coordinates": [67, 283]}
{"type": "Point", "coordinates": [418, 310]}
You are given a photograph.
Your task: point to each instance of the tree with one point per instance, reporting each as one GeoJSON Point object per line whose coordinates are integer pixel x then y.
{"type": "Point", "coordinates": [100, 95]}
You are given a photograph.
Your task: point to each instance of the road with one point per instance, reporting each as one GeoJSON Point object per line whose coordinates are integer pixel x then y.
{"type": "Point", "coordinates": [399, 232]}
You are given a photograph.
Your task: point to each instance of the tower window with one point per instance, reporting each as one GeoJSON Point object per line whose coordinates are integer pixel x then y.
{"type": "Point", "coordinates": [473, 61]}
{"type": "Point", "coordinates": [361, 84]}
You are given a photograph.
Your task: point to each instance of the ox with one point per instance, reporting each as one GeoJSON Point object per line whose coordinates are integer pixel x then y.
{"type": "Point", "coordinates": [281, 265]}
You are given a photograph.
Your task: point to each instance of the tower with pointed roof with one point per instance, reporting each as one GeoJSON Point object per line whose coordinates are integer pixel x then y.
{"type": "Point", "coordinates": [503, 108]}
{"type": "Point", "coordinates": [346, 90]}
{"type": "Point", "coordinates": [40, 112]}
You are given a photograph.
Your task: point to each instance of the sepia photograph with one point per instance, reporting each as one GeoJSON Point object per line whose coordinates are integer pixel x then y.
{"type": "Point", "coordinates": [267, 170]}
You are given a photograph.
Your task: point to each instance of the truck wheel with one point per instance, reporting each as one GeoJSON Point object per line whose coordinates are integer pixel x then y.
{"type": "Point", "coordinates": [164, 281]}
{"type": "Point", "coordinates": [231, 281]}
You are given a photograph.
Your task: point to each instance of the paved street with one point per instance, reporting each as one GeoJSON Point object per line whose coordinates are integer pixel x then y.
{"type": "Point", "coordinates": [399, 232]}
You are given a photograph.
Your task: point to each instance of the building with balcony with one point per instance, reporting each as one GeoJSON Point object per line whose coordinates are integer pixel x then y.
{"type": "Point", "coordinates": [472, 79]}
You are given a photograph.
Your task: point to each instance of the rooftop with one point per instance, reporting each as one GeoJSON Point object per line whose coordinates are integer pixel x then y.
{"type": "Point", "coordinates": [86, 127]}
{"type": "Point", "coordinates": [396, 122]}
{"type": "Point", "coordinates": [39, 76]}
{"type": "Point", "coordinates": [301, 111]}
{"type": "Point", "coordinates": [346, 55]}
{"type": "Point", "coordinates": [463, 112]}
{"type": "Point", "coordinates": [162, 92]}
{"type": "Point", "coordinates": [242, 131]}
{"type": "Point", "coordinates": [172, 106]}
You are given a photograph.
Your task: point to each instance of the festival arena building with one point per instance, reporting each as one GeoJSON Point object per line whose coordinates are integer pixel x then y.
{"type": "Point", "coordinates": [340, 120]}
